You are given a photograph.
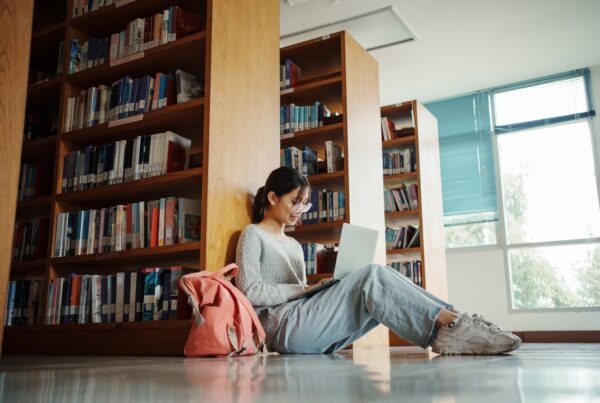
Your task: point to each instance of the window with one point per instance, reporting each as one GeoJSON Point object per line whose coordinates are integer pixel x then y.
{"type": "Point", "coordinates": [467, 165]}
{"type": "Point", "coordinates": [549, 192]}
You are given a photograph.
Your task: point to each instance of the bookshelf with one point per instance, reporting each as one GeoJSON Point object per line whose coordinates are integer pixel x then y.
{"type": "Point", "coordinates": [419, 132]}
{"type": "Point", "coordinates": [220, 145]}
{"type": "Point", "coordinates": [337, 72]}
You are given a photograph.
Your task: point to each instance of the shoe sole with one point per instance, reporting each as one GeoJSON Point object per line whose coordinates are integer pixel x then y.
{"type": "Point", "coordinates": [469, 350]}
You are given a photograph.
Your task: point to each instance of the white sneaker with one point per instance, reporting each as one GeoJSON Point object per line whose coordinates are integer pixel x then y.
{"type": "Point", "coordinates": [474, 335]}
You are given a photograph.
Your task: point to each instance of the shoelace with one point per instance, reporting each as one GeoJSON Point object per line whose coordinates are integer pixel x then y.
{"type": "Point", "coordinates": [480, 320]}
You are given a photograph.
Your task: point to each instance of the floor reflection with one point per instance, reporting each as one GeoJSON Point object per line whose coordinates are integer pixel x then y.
{"type": "Point", "coordinates": [533, 373]}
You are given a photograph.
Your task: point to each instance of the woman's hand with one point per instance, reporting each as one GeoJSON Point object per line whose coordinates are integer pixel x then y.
{"type": "Point", "coordinates": [322, 281]}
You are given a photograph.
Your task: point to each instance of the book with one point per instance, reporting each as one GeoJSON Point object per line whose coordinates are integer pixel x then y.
{"type": "Point", "coordinates": [149, 301]}
{"type": "Point", "coordinates": [334, 157]}
{"type": "Point", "coordinates": [188, 214]}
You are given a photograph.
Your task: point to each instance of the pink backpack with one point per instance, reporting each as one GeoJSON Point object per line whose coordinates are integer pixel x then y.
{"type": "Point", "coordinates": [224, 322]}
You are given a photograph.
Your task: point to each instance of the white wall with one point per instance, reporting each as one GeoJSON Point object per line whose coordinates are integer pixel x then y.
{"type": "Point", "coordinates": [477, 280]}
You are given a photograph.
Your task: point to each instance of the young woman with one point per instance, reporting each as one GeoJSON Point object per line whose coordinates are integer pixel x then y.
{"type": "Point", "coordinates": [272, 268]}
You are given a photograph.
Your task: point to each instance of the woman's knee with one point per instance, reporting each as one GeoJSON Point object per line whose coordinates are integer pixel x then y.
{"type": "Point", "coordinates": [373, 271]}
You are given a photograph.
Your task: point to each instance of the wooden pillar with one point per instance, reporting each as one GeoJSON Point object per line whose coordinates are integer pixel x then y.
{"type": "Point", "coordinates": [242, 118]}
{"type": "Point", "coordinates": [15, 39]}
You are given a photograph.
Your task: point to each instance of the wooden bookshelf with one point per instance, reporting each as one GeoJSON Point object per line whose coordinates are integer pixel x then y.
{"type": "Point", "coordinates": [339, 73]}
{"type": "Point", "coordinates": [235, 30]}
{"type": "Point", "coordinates": [423, 137]}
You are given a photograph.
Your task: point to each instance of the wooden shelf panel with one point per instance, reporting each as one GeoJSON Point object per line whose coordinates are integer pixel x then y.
{"type": "Point", "coordinates": [186, 53]}
{"type": "Point", "coordinates": [314, 138]}
{"type": "Point", "coordinates": [401, 108]}
{"type": "Point", "coordinates": [403, 251]}
{"type": "Point", "coordinates": [327, 91]}
{"type": "Point", "coordinates": [35, 266]}
{"type": "Point", "coordinates": [186, 183]}
{"type": "Point", "coordinates": [400, 142]}
{"type": "Point", "coordinates": [187, 254]}
{"type": "Point", "coordinates": [166, 337]}
{"type": "Point", "coordinates": [36, 207]}
{"type": "Point", "coordinates": [316, 57]}
{"type": "Point", "coordinates": [43, 96]}
{"type": "Point", "coordinates": [333, 181]}
{"type": "Point", "coordinates": [48, 33]}
{"type": "Point", "coordinates": [186, 119]}
{"type": "Point", "coordinates": [39, 148]}
{"type": "Point", "coordinates": [114, 18]}
{"type": "Point", "coordinates": [395, 180]}
{"type": "Point", "coordinates": [403, 214]}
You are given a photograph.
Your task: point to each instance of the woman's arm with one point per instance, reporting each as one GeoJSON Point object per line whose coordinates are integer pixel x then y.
{"type": "Point", "coordinates": [250, 277]}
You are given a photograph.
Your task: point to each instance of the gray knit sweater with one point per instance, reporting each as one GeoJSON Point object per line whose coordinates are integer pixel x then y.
{"type": "Point", "coordinates": [270, 271]}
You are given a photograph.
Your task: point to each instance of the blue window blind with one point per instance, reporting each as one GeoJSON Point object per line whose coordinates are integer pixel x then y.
{"type": "Point", "coordinates": [466, 157]}
{"type": "Point", "coordinates": [543, 101]}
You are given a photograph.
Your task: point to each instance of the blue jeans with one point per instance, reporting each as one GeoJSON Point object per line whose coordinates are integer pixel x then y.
{"type": "Point", "coordinates": [337, 316]}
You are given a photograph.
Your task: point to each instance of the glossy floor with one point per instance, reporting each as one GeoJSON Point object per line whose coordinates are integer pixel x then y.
{"type": "Point", "coordinates": [535, 372]}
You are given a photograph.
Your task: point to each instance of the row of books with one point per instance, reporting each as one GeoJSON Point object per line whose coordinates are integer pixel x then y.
{"type": "Point", "coordinates": [125, 160]}
{"type": "Point", "coordinates": [35, 180]}
{"type": "Point", "coordinates": [82, 7]}
{"type": "Point", "coordinates": [405, 197]}
{"type": "Point", "coordinates": [390, 129]}
{"type": "Point", "coordinates": [38, 125]}
{"type": "Point", "coordinates": [304, 160]}
{"type": "Point", "coordinates": [327, 206]}
{"type": "Point", "coordinates": [399, 162]}
{"type": "Point", "coordinates": [307, 161]}
{"type": "Point", "coordinates": [166, 221]}
{"type": "Point", "coordinates": [289, 74]}
{"type": "Point", "coordinates": [87, 54]}
{"type": "Point", "coordinates": [30, 239]}
{"type": "Point", "coordinates": [411, 269]}
{"type": "Point", "coordinates": [147, 294]}
{"type": "Point", "coordinates": [294, 118]}
{"type": "Point", "coordinates": [402, 238]}
{"type": "Point", "coordinates": [130, 96]}
{"type": "Point", "coordinates": [139, 35]}
{"type": "Point", "coordinates": [319, 258]}
{"type": "Point", "coordinates": [22, 302]}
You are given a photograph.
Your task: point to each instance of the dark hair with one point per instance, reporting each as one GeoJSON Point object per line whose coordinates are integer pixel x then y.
{"type": "Point", "coordinates": [281, 181]}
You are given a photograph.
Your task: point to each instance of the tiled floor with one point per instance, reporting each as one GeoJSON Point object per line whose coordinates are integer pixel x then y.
{"type": "Point", "coordinates": [534, 373]}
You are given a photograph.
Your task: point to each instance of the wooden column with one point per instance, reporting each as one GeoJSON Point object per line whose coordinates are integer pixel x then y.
{"type": "Point", "coordinates": [364, 162]}
{"type": "Point", "coordinates": [15, 38]}
{"type": "Point", "coordinates": [242, 119]}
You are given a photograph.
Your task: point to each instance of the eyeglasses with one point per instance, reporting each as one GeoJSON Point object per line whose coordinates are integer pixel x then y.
{"type": "Point", "coordinates": [300, 207]}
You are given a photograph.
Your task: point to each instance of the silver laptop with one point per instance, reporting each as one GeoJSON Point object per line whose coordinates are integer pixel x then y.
{"type": "Point", "coordinates": [356, 250]}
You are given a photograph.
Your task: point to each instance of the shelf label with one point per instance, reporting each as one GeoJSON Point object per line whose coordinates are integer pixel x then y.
{"type": "Point", "coordinates": [287, 136]}
{"type": "Point", "coordinates": [287, 91]}
{"type": "Point", "coordinates": [290, 229]}
{"type": "Point", "coordinates": [126, 59]}
{"type": "Point", "coordinates": [121, 3]}
{"type": "Point", "coordinates": [125, 121]}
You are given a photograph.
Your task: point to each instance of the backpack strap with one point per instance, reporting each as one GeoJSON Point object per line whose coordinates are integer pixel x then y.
{"type": "Point", "coordinates": [258, 333]}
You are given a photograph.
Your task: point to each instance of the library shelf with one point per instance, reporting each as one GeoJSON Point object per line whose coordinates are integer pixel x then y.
{"type": "Point", "coordinates": [34, 149]}
{"type": "Point", "coordinates": [178, 118]}
{"type": "Point", "coordinates": [402, 214]}
{"type": "Point", "coordinates": [178, 184]}
{"type": "Point", "coordinates": [314, 138]}
{"type": "Point", "coordinates": [184, 254]}
{"type": "Point", "coordinates": [167, 58]}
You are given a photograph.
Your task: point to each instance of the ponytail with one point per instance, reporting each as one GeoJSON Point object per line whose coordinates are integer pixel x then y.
{"type": "Point", "coordinates": [260, 204]}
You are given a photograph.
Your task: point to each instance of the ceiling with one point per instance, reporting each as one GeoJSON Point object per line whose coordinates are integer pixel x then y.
{"type": "Point", "coordinates": [466, 45]}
